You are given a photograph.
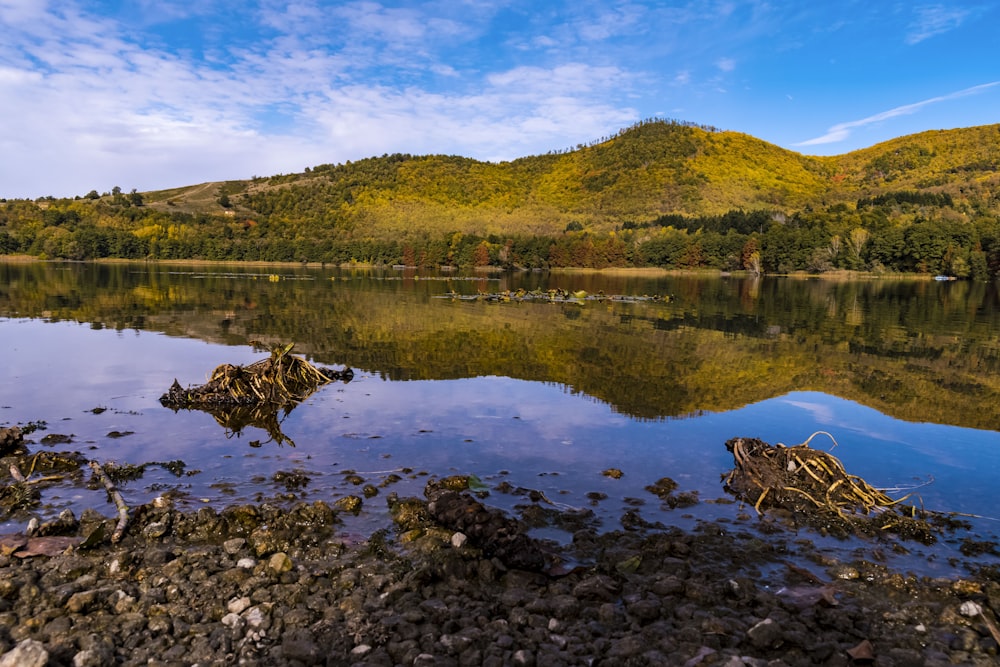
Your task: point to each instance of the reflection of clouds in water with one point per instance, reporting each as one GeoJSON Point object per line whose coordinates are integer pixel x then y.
{"type": "Point", "coordinates": [838, 416]}
{"type": "Point", "coordinates": [821, 414]}
{"type": "Point", "coordinates": [921, 449]}
{"type": "Point", "coordinates": [474, 407]}
{"type": "Point", "coordinates": [96, 366]}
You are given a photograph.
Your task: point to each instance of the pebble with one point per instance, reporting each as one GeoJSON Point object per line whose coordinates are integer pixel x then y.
{"type": "Point", "coordinates": [970, 609]}
{"type": "Point", "coordinates": [28, 653]}
{"type": "Point", "coordinates": [172, 601]}
{"type": "Point", "coordinates": [280, 562]}
{"type": "Point", "coordinates": [238, 605]}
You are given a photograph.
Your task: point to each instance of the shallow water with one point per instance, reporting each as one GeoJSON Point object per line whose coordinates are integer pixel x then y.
{"type": "Point", "coordinates": [542, 396]}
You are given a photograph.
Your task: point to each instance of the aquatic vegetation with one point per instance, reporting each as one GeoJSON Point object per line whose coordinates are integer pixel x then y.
{"type": "Point", "coordinates": [556, 295]}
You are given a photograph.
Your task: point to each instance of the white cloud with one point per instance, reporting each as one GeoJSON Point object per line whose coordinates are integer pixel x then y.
{"type": "Point", "coordinates": [103, 110]}
{"type": "Point", "coordinates": [842, 131]}
{"type": "Point", "coordinates": [726, 64]}
{"type": "Point", "coordinates": [934, 20]}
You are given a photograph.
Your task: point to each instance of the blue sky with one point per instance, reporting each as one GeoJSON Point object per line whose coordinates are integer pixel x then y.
{"type": "Point", "coordinates": [153, 94]}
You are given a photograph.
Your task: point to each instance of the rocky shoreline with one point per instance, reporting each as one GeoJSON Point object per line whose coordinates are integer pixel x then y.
{"type": "Point", "coordinates": [456, 583]}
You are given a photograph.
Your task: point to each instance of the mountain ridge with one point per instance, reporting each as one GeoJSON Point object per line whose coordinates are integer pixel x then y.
{"type": "Point", "coordinates": [651, 169]}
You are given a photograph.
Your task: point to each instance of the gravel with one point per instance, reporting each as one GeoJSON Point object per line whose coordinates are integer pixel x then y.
{"type": "Point", "coordinates": [453, 582]}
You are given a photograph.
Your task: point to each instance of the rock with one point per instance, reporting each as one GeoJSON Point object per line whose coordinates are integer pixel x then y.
{"type": "Point", "coordinates": [78, 603]}
{"type": "Point", "coordinates": [350, 504]}
{"type": "Point", "coordinates": [970, 609]}
{"type": "Point", "coordinates": [238, 605]}
{"type": "Point", "coordinates": [360, 651]}
{"type": "Point", "coordinates": [155, 530]}
{"type": "Point", "coordinates": [233, 546]}
{"type": "Point", "coordinates": [766, 634]}
{"type": "Point", "coordinates": [490, 530]}
{"type": "Point", "coordinates": [300, 644]}
{"type": "Point", "coordinates": [597, 587]}
{"type": "Point", "coordinates": [89, 658]}
{"type": "Point", "coordinates": [28, 653]}
{"type": "Point", "coordinates": [280, 562]}
{"type": "Point", "coordinates": [523, 658]}
{"type": "Point", "coordinates": [234, 621]}
{"type": "Point", "coordinates": [845, 572]}
{"type": "Point", "coordinates": [254, 617]}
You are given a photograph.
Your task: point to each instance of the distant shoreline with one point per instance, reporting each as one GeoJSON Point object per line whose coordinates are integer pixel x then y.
{"type": "Point", "coordinates": [647, 271]}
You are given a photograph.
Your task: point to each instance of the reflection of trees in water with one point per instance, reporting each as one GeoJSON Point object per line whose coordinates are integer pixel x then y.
{"type": "Point", "coordinates": [910, 348]}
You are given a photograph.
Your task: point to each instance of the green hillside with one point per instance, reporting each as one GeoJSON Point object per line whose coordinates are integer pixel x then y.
{"type": "Point", "coordinates": [660, 193]}
{"type": "Point", "coordinates": [652, 169]}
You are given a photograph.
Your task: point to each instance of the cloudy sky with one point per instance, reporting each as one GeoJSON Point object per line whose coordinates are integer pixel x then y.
{"type": "Point", "coordinates": [153, 94]}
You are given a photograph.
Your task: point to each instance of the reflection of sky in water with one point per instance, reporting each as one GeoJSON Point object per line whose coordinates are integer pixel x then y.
{"type": "Point", "coordinates": [534, 435]}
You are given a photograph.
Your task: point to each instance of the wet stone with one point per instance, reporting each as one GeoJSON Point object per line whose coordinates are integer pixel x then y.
{"type": "Point", "coordinates": [766, 634]}
{"type": "Point", "coordinates": [693, 597]}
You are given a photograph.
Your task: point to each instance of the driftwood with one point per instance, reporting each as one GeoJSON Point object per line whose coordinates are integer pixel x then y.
{"type": "Point", "coordinates": [116, 497]}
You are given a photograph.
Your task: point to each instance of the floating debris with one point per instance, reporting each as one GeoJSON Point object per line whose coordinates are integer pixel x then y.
{"type": "Point", "coordinates": [279, 379]}
{"type": "Point", "coordinates": [253, 395]}
{"type": "Point", "coordinates": [557, 295]}
{"type": "Point", "coordinates": [813, 485]}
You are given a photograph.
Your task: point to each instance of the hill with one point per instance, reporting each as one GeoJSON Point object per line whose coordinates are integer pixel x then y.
{"type": "Point", "coordinates": [652, 169]}
{"type": "Point", "coordinates": [661, 193]}
{"type": "Point", "coordinates": [649, 170]}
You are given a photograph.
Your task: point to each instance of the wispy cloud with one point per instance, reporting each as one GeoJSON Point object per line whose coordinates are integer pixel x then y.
{"type": "Point", "coordinates": [842, 131]}
{"type": "Point", "coordinates": [83, 94]}
{"type": "Point", "coordinates": [934, 20]}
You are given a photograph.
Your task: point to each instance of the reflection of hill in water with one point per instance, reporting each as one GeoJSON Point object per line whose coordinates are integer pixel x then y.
{"type": "Point", "coordinates": [916, 350]}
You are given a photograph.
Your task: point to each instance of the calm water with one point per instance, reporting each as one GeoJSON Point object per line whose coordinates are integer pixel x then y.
{"type": "Point", "coordinates": [544, 396]}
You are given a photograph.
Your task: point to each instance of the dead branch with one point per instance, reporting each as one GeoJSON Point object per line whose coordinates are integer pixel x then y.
{"type": "Point", "coordinates": [116, 497]}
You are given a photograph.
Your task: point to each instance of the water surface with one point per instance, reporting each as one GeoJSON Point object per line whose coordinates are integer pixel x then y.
{"type": "Point", "coordinates": [543, 396]}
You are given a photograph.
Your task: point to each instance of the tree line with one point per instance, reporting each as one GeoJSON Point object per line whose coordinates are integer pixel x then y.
{"type": "Point", "coordinates": [892, 233]}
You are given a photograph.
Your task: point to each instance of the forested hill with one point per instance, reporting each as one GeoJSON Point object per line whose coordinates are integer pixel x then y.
{"type": "Point", "coordinates": [659, 193]}
{"type": "Point", "coordinates": [651, 169]}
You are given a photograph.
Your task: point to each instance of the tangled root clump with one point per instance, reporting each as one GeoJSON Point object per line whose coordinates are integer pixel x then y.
{"type": "Point", "coordinates": [280, 379]}
{"type": "Point", "coordinates": [814, 486]}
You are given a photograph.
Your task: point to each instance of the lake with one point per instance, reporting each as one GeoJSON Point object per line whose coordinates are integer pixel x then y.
{"type": "Point", "coordinates": [526, 395]}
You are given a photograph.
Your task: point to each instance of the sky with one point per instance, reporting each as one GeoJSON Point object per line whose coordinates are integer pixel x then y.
{"type": "Point", "coordinates": [155, 94]}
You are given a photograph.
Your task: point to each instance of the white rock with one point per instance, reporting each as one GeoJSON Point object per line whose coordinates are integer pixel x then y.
{"type": "Point", "coordinates": [254, 617]}
{"type": "Point", "coordinates": [232, 620]}
{"type": "Point", "coordinates": [458, 540]}
{"type": "Point", "coordinates": [29, 653]}
{"type": "Point", "coordinates": [970, 609]}
{"type": "Point", "coordinates": [238, 605]}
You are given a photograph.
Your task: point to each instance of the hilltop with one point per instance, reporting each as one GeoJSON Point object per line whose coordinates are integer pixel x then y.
{"type": "Point", "coordinates": [596, 205]}
{"type": "Point", "coordinates": [652, 169]}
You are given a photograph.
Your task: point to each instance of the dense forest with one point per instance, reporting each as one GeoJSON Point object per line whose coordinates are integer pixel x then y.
{"type": "Point", "coordinates": [660, 194]}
